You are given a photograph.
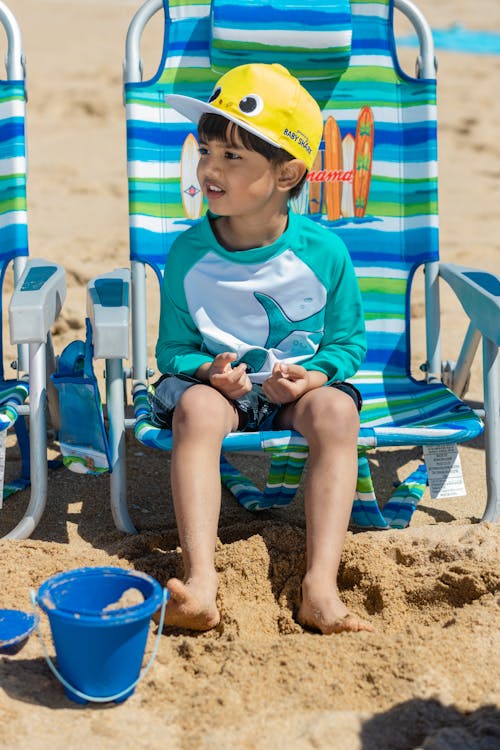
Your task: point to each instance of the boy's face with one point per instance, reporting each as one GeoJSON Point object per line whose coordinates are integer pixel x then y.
{"type": "Point", "coordinates": [235, 180]}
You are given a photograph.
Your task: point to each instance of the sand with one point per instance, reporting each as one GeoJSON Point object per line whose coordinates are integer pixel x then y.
{"type": "Point", "coordinates": [428, 677]}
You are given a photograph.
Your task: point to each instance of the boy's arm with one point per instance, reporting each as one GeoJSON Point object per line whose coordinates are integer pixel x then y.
{"type": "Point", "coordinates": [343, 346]}
{"type": "Point", "coordinates": [179, 351]}
{"type": "Point", "coordinates": [179, 345]}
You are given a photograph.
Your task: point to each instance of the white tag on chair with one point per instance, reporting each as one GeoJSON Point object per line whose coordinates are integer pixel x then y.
{"type": "Point", "coordinates": [3, 444]}
{"type": "Point", "coordinates": [444, 470]}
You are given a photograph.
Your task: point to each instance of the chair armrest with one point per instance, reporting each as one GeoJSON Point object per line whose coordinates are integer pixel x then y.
{"type": "Point", "coordinates": [479, 295]}
{"type": "Point", "coordinates": [36, 302]}
{"type": "Point", "coordinates": [108, 309]}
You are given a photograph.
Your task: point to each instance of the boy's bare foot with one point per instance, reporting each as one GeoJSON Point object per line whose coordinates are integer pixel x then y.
{"type": "Point", "coordinates": [188, 608]}
{"type": "Point", "coordinates": [349, 623]}
{"type": "Point", "coordinates": [324, 611]}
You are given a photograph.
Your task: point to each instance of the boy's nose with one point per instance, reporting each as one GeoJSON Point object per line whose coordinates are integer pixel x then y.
{"type": "Point", "coordinates": [209, 166]}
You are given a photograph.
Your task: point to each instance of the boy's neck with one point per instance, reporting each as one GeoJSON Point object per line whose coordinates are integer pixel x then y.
{"type": "Point", "coordinates": [245, 233]}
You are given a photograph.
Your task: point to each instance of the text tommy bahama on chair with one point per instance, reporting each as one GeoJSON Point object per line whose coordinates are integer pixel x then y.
{"type": "Point", "coordinates": [374, 183]}
{"type": "Point", "coordinates": [37, 299]}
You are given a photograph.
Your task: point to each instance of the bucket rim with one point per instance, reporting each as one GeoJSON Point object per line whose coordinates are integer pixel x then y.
{"type": "Point", "coordinates": [16, 627]}
{"type": "Point", "coordinates": [125, 614]}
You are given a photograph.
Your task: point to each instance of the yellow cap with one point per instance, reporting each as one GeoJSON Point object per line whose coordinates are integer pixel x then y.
{"type": "Point", "coordinates": [267, 101]}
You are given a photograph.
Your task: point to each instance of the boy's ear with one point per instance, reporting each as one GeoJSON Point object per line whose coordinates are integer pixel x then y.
{"type": "Point", "coordinates": [291, 173]}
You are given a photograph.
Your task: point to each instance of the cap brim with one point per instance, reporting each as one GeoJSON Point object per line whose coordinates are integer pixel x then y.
{"type": "Point", "coordinates": [193, 109]}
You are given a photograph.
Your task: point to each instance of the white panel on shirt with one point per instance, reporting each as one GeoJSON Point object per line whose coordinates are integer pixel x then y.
{"type": "Point", "coordinates": [222, 302]}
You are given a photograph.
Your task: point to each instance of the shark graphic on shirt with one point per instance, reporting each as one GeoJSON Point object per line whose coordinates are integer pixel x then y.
{"type": "Point", "coordinates": [280, 328]}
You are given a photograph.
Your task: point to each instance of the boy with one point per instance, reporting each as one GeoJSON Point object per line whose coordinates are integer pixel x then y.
{"type": "Point", "coordinates": [260, 311]}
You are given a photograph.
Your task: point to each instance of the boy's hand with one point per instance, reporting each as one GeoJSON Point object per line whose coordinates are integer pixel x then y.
{"type": "Point", "coordinates": [287, 383]}
{"type": "Point", "coordinates": [233, 382]}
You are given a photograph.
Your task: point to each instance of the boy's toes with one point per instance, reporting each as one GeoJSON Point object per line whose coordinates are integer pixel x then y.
{"type": "Point", "coordinates": [348, 624]}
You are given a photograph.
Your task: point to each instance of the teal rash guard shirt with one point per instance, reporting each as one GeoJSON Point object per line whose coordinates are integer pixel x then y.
{"type": "Point", "coordinates": [294, 301]}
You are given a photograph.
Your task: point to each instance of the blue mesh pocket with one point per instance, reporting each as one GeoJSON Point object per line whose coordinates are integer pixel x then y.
{"type": "Point", "coordinates": [83, 440]}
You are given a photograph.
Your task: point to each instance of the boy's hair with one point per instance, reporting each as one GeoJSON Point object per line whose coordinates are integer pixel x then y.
{"type": "Point", "coordinates": [219, 128]}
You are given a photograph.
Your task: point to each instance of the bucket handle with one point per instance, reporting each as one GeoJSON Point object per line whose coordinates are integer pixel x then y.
{"type": "Point", "coordinates": [122, 693]}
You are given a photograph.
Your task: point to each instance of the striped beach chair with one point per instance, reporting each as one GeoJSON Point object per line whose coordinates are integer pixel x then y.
{"type": "Point", "coordinates": [374, 183]}
{"type": "Point", "coordinates": [37, 299]}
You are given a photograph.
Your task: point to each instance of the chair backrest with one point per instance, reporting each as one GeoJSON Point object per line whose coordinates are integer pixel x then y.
{"type": "Point", "coordinates": [13, 215]}
{"type": "Point", "coordinates": [375, 179]}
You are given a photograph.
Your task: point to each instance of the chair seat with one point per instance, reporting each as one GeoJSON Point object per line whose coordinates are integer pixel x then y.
{"type": "Point", "coordinates": [396, 411]}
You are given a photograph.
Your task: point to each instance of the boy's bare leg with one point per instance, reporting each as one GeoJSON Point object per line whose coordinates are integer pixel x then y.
{"type": "Point", "coordinates": [202, 418]}
{"type": "Point", "coordinates": [328, 419]}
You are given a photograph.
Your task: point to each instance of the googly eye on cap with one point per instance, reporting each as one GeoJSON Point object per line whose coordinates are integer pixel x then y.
{"type": "Point", "coordinates": [251, 105]}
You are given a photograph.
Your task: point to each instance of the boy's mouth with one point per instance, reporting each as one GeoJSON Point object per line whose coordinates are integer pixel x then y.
{"type": "Point", "coordinates": [213, 191]}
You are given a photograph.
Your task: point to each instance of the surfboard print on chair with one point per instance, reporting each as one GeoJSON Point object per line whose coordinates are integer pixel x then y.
{"type": "Point", "coordinates": [363, 157]}
{"type": "Point", "coordinates": [332, 191]}
{"type": "Point", "coordinates": [347, 203]}
{"type": "Point", "coordinates": [192, 197]}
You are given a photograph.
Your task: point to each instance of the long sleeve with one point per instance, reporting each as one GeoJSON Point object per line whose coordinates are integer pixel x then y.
{"type": "Point", "coordinates": [343, 346]}
{"type": "Point", "coordinates": [179, 342]}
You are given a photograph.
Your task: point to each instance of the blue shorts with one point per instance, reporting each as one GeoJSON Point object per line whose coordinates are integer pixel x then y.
{"type": "Point", "coordinates": [256, 412]}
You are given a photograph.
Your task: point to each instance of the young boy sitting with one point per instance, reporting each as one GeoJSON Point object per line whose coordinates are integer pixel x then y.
{"type": "Point", "coordinates": [261, 324]}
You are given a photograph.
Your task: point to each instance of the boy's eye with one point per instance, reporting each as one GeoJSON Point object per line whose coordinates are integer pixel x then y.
{"type": "Point", "coordinates": [203, 151]}
{"type": "Point", "coordinates": [231, 155]}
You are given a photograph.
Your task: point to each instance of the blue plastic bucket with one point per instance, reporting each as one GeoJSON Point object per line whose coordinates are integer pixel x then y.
{"type": "Point", "coordinates": [99, 648]}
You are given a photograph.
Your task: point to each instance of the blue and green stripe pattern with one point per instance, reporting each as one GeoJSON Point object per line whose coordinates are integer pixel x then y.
{"type": "Point", "coordinates": [398, 231]}
{"type": "Point", "coordinates": [12, 393]}
{"type": "Point", "coordinates": [309, 44]}
{"type": "Point", "coordinates": [13, 244]}
{"type": "Point", "coordinates": [13, 216]}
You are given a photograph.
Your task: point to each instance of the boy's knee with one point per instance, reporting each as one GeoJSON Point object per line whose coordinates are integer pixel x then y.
{"type": "Point", "coordinates": [200, 405]}
{"type": "Point", "coordinates": [332, 415]}
{"type": "Point", "coordinates": [194, 401]}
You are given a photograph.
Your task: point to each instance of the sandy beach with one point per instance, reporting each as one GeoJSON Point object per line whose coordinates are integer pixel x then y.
{"type": "Point", "coordinates": [428, 677]}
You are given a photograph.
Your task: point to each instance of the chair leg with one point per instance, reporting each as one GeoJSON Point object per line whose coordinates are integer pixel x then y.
{"type": "Point", "coordinates": [38, 445]}
{"type": "Point", "coordinates": [491, 377]}
{"type": "Point", "coordinates": [116, 416]}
